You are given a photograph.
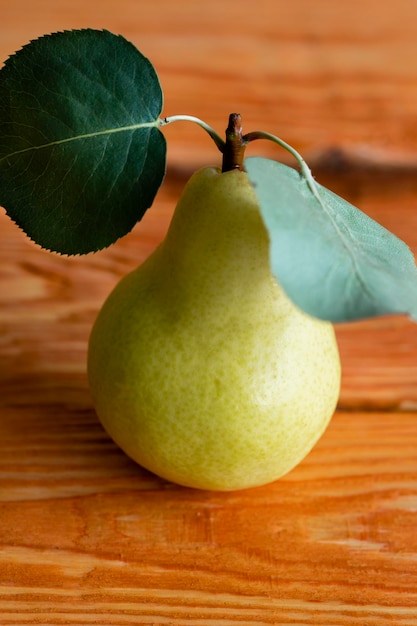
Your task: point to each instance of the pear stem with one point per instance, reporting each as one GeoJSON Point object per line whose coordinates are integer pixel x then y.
{"type": "Point", "coordinates": [234, 148]}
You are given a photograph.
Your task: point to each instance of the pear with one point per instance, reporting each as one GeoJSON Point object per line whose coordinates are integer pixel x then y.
{"type": "Point", "coordinates": [200, 367]}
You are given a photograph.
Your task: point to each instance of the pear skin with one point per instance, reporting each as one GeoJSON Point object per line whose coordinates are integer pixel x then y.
{"type": "Point", "coordinates": [200, 367]}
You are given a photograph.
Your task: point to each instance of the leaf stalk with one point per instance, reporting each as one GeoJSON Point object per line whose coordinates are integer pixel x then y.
{"type": "Point", "coordinates": [190, 118]}
{"type": "Point", "coordinates": [305, 170]}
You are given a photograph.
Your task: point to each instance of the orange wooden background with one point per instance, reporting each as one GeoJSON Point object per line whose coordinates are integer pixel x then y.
{"type": "Point", "coordinates": [87, 536]}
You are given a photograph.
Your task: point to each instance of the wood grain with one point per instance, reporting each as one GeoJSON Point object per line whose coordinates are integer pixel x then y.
{"type": "Point", "coordinates": [89, 537]}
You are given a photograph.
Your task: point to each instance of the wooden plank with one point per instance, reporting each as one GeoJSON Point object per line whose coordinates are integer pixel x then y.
{"type": "Point", "coordinates": [318, 76]}
{"type": "Point", "coordinates": [48, 303]}
{"type": "Point", "coordinates": [88, 537]}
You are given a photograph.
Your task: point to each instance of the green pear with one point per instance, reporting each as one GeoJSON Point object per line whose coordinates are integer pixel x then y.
{"type": "Point", "coordinates": [201, 369]}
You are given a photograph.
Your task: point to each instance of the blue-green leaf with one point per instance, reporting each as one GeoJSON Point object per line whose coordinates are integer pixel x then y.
{"type": "Point", "coordinates": [81, 154]}
{"type": "Point", "coordinates": [334, 262]}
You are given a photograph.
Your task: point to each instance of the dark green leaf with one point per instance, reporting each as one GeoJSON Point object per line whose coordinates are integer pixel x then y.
{"type": "Point", "coordinates": [333, 261]}
{"type": "Point", "coordinates": [81, 154]}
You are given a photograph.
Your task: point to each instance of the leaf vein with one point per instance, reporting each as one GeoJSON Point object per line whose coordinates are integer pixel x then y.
{"type": "Point", "coordinates": [91, 135]}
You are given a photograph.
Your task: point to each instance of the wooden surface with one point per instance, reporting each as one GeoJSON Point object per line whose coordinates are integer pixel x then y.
{"type": "Point", "coordinates": [87, 536]}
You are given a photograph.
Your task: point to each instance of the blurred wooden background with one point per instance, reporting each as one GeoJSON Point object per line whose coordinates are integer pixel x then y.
{"type": "Point", "coordinates": [88, 537]}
